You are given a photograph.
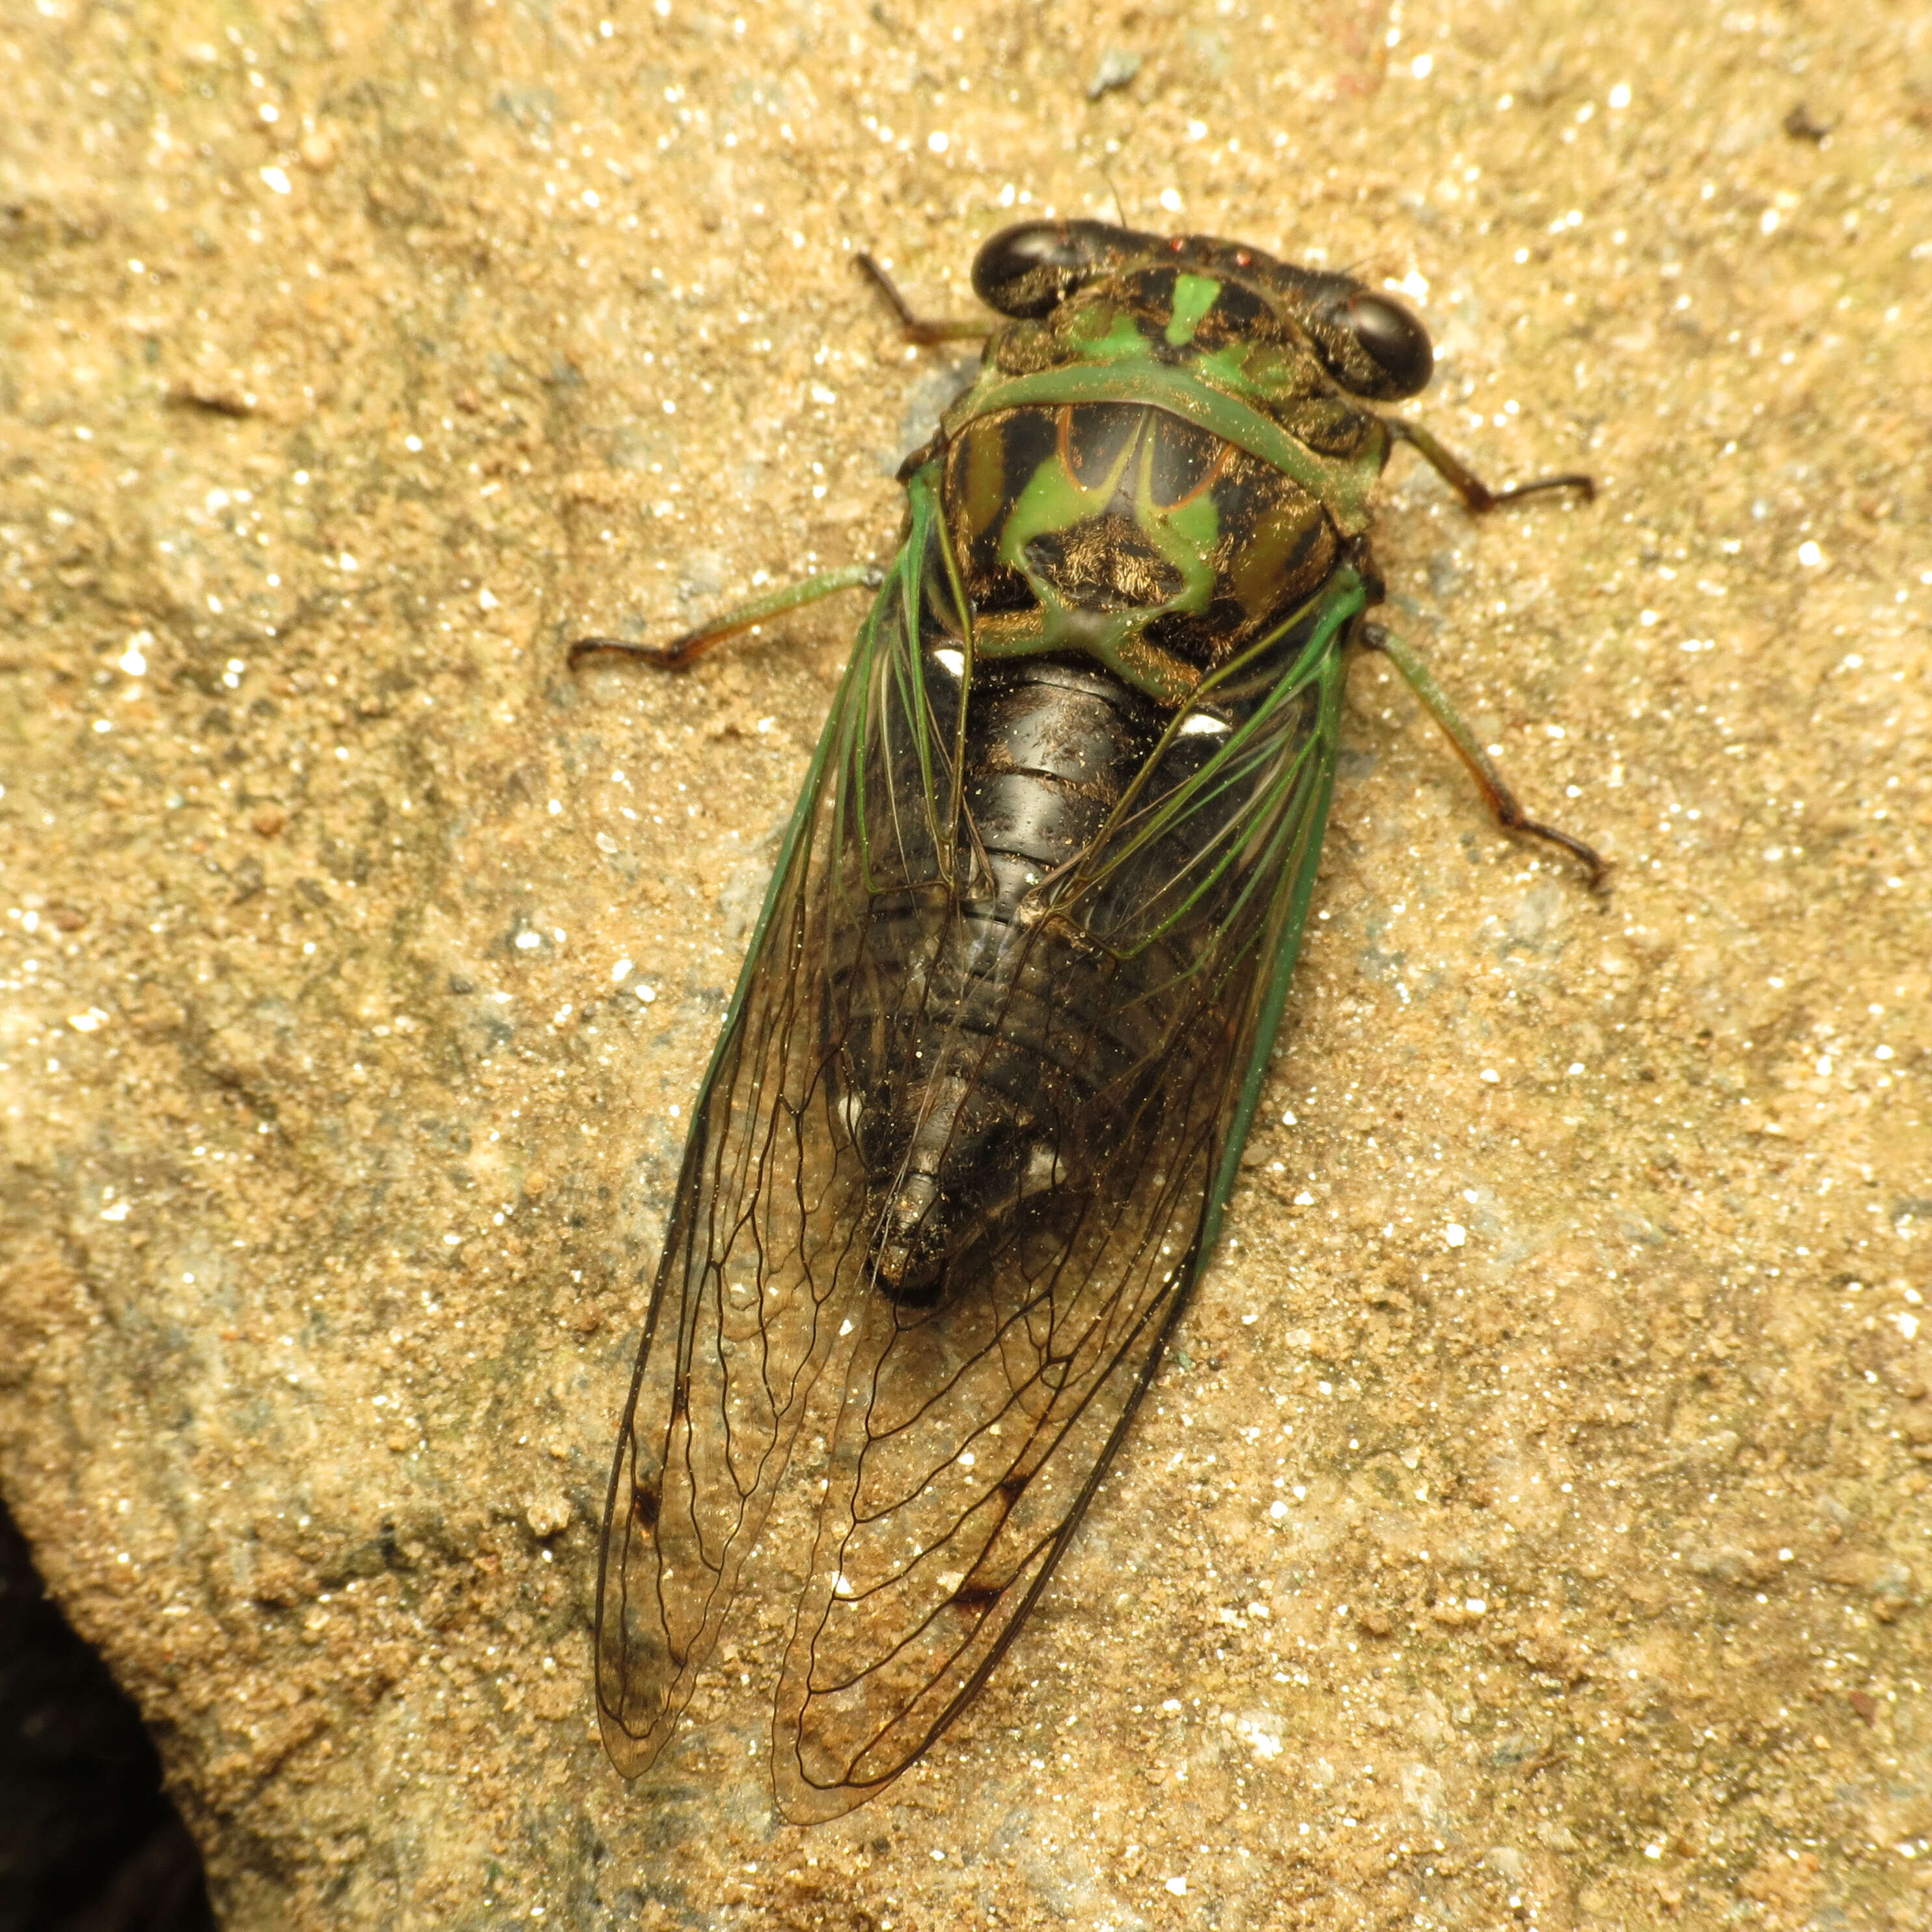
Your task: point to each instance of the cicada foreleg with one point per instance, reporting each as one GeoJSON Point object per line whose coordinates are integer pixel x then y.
{"type": "Point", "coordinates": [1476, 494]}
{"type": "Point", "coordinates": [680, 652]}
{"type": "Point", "coordinates": [1495, 787]}
{"type": "Point", "coordinates": [921, 329]}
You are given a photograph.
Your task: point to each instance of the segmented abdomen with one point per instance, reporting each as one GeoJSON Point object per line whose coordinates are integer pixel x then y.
{"type": "Point", "coordinates": [995, 1053]}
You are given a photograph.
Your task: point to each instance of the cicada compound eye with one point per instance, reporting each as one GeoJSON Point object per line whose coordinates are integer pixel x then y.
{"type": "Point", "coordinates": [1028, 270]}
{"type": "Point", "coordinates": [1392, 340]}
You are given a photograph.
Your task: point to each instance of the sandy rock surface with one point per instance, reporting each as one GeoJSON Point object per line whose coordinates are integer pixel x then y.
{"type": "Point", "coordinates": [1533, 1525]}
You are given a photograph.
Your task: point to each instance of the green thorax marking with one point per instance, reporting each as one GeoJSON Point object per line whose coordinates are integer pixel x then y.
{"type": "Point", "coordinates": [1252, 394]}
{"type": "Point", "coordinates": [1055, 502]}
{"type": "Point", "coordinates": [1194, 296]}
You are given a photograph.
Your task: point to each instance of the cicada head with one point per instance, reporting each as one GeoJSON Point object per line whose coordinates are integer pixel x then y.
{"type": "Point", "coordinates": [1371, 344]}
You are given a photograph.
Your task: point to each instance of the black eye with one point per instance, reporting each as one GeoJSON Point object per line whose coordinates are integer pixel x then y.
{"type": "Point", "coordinates": [1028, 270]}
{"type": "Point", "coordinates": [1394, 339]}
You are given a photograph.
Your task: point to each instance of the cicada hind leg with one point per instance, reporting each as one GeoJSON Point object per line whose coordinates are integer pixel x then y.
{"type": "Point", "coordinates": [1502, 800]}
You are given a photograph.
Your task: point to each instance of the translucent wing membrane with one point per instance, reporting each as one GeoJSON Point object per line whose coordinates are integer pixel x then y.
{"type": "Point", "coordinates": [1227, 800]}
{"type": "Point", "coordinates": [970, 1438]}
{"type": "Point", "coordinates": [759, 1289]}
{"type": "Point", "coordinates": [901, 1468]}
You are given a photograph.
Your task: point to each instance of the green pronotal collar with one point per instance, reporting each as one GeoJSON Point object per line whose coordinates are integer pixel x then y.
{"type": "Point", "coordinates": [1342, 484]}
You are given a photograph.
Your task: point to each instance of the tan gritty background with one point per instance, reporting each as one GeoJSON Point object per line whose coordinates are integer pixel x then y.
{"type": "Point", "coordinates": [1532, 1529]}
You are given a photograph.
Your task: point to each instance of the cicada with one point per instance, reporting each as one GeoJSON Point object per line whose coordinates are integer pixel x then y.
{"type": "Point", "coordinates": [970, 1131]}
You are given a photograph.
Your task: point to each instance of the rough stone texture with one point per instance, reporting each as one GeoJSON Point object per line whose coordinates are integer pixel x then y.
{"type": "Point", "coordinates": [1570, 1567]}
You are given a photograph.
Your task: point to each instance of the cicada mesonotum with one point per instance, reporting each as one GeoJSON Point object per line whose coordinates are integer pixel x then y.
{"type": "Point", "coordinates": [970, 1127]}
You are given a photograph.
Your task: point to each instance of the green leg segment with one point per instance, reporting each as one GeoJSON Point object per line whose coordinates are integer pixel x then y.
{"type": "Point", "coordinates": [1494, 786]}
{"type": "Point", "coordinates": [686, 649]}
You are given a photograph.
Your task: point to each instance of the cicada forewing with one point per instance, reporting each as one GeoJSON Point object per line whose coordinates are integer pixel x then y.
{"type": "Point", "coordinates": [906, 1470]}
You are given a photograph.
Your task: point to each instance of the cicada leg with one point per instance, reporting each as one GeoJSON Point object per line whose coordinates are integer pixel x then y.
{"type": "Point", "coordinates": [680, 652]}
{"type": "Point", "coordinates": [920, 328]}
{"type": "Point", "coordinates": [1495, 787]}
{"type": "Point", "coordinates": [1476, 494]}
